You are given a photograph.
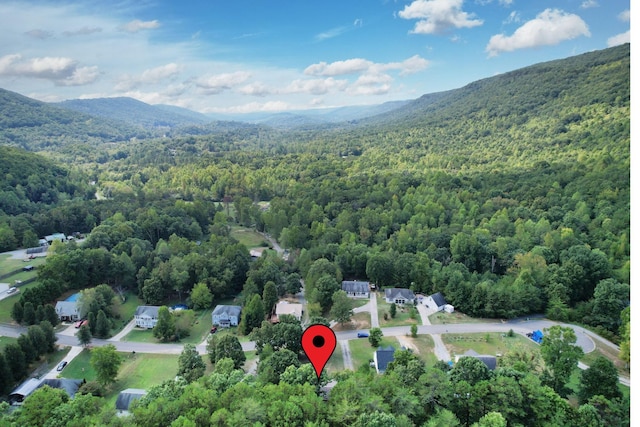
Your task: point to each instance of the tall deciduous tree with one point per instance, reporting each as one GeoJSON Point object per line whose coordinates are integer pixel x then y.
{"type": "Point", "coordinates": [106, 361]}
{"type": "Point", "coordinates": [201, 296]}
{"type": "Point", "coordinates": [17, 312]}
{"type": "Point", "coordinates": [601, 378]}
{"type": "Point", "coordinates": [84, 335]}
{"type": "Point", "coordinates": [269, 296]}
{"type": "Point", "coordinates": [165, 329]}
{"type": "Point", "coordinates": [375, 336]}
{"type": "Point", "coordinates": [560, 355]}
{"type": "Point", "coordinates": [29, 313]}
{"type": "Point", "coordinates": [190, 364]}
{"type": "Point", "coordinates": [341, 309]}
{"type": "Point", "coordinates": [225, 346]}
{"type": "Point", "coordinates": [102, 325]}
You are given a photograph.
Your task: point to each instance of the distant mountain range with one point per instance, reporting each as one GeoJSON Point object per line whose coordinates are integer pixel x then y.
{"type": "Point", "coordinates": [548, 90]}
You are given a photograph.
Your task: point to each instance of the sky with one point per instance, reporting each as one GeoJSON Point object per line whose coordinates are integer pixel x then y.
{"type": "Point", "coordinates": [241, 56]}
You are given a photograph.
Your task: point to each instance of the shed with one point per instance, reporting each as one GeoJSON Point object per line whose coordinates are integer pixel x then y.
{"type": "Point", "coordinates": [226, 315]}
{"type": "Point", "coordinates": [23, 390]}
{"type": "Point", "coordinates": [125, 397]}
{"type": "Point", "coordinates": [399, 296]}
{"type": "Point", "coordinates": [146, 316]}
{"type": "Point", "coordinates": [356, 289]}
{"type": "Point", "coordinates": [69, 385]}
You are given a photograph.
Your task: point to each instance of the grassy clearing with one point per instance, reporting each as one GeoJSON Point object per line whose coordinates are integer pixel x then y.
{"type": "Point", "coordinates": [8, 264]}
{"type": "Point", "coordinates": [457, 317]}
{"type": "Point", "coordinates": [6, 305]}
{"type": "Point", "coordinates": [248, 237]}
{"type": "Point", "coordinates": [460, 343]}
{"type": "Point", "coordinates": [125, 311]}
{"type": "Point", "coordinates": [358, 302]}
{"type": "Point", "coordinates": [402, 315]}
{"type": "Point", "coordinates": [358, 321]}
{"type": "Point", "coordinates": [137, 371]}
{"type": "Point", "coordinates": [609, 353]}
{"type": "Point", "coordinates": [198, 332]}
{"type": "Point", "coordinates": [422, 346]}
{"type": "Point", "coordinates": [336, 361]}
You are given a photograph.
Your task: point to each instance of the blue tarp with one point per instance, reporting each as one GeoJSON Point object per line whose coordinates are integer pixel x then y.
{"type": "Point", "coordinates": [537, 336]}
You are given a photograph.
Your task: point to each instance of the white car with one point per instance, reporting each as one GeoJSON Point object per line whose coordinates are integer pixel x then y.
{"type": "Point", "coordinates": [12, 290]}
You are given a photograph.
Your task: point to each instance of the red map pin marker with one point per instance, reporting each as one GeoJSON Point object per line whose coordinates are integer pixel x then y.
{"type": "Point", "coordinates": [318, 342]}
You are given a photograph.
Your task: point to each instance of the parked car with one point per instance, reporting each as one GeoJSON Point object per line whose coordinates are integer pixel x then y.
{"type": "Point", "coordinates": [363, 335]}
{"type": "Point", "coordinates": [79, 323]}
{"type": "Point", "coordinates": [12, 290]}
{"type": "Point", "coordinates": [213, 330]}
{"type": "Point", "coordinates": [61, 365]}
{"type": "Point", "coordinates": [27, 267]}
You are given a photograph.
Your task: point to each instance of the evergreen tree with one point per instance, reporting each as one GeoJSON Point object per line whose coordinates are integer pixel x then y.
{"type": "Point", "coordinates": [17, 312]}
{"type": "Point", "coordinates": [27, 348]}
{"type": "Point", "coordinates": [252, 315]}
{"type": "Point", "coordinates": [102, 325]}
{"type": "Point", "coordinates": [29, 313]}
{"type": "Point", "coordinates": [392, 310]}
{"type": "Point", "coordinates": [91, 320]}
{"type": "Point", "coordinates": [40, 316]}
{"type": "Point", "coordinates": [38, 340]}
{"type": "Point", "coordinates": [165, 329]}
{"type": "Point", "coordinates": [51, 315]}
{"type": "Point", "coordinates": [50, 335]}
{"type": "Point", "coordinates": [226, 346]}
{"type": "Point", "coordinates": [269, 296]}
{"type": "Point", "coordinates": [15, 361]}
{"type": "Point", "coordinates": [6, 378]}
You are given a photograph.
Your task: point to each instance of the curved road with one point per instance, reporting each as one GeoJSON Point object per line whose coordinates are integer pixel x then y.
{"type": "Point", "coordinates": [584, 339]}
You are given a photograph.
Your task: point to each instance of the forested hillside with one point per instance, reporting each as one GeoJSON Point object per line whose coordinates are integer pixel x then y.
{"type": "Point", "coordinates": [35, 125]}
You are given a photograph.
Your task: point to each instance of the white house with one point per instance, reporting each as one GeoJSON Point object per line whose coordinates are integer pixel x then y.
{"type": "Point", "coordinates": [226, 315]}
{"type": "Point", "coordinates": [285, 307]}
{"type": "Point", "coordinates": [399, 296]}
{"type": "Point", "coordinates": [146, 316]}
{"type": "Point", "coordinates": [435, 301]}
{"type": "Point", "coordinates": [355, 289]}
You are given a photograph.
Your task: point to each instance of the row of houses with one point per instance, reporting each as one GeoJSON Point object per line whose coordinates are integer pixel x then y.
{"type": "Point", "coordinates": [384, 355]}
{"type": "Point", "coordinates": [400, 296]}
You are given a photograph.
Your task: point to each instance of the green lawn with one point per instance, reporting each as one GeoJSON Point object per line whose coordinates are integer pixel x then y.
{"type": "Point", "coordinates": [336, 362]}
{"type": "Point", "coordinates": [6, 305]}
{"type": "Point", "coordinates": [198, 332]}
{"type": "Point", "coordinates": [423, 348]}
{"type": "Point", "coordinates": [460, 343]}
{"type": "Point", "coordinates": [125, 311]}
{"type": "Point", "coordinates": [362, 352]}
{"type": "Point", "coordinates": [248, 237]}
{"type": "Point", "coordinates": [457, 317]}
{"type": "Point", "coordinates": [6, 340]}
{"type": "Point", "coordinates": [402, 315]}
{"type": "Point", "coordinates": [609, 353]}
{"type": "Point", "coordinates": [137, 371]}
{"type": "Point", "coordinates": [7, 265]}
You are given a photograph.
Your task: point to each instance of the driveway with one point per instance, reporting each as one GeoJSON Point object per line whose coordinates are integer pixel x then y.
{"type": "Point", "coordinates": [440, 350]}
{"type": "Point", "coordinates": [346, 354]}
{"type": "Point", "coordinates": [128, 328]}
{"type": "Point", "coordinates": [53, 373]}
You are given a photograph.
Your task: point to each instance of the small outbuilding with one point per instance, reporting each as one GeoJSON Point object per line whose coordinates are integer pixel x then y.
{"type": "Point", "coordinates": [491, 362]}
{"type": "Point", "coordinates": [226, 316]}
{"type": "Point", "coordinates": [18, 395]}
{"type": "Point", "coordinates": [126, 397]}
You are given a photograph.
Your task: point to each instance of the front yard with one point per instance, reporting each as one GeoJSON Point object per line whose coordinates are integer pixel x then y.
{"type": "Point", "coordinates": [402, 317]}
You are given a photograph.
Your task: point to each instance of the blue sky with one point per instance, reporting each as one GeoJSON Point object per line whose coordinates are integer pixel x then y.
{"type": "Point", "coordinates": [270, 55]}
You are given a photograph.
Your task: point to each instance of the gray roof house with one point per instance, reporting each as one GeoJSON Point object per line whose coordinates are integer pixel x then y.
{"type": "Point", "coordinates": [71, 386]}
{"type": "Point", "coordinates": [399, 296]}
{"type": "Point", "coordinates": [146, 316]}
{"type": "Point", "coordinates": [125, 397]}
{"type": "Point", "coordinates": [68, 311]}
{"type": "Point", "coordinates": [436, 301]}
{"type": "Point", "coordinates": [382, 357]}
{"type": "Point", "coordinates": [226, 315]}
{"type": "Point", "coordinates": [356, 289]}
{"type": "Point", "coordinates": [490, 361]}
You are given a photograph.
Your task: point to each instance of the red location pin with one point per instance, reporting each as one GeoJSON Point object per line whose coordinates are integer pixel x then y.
{"type": "Point", "coordinates": [318, 342]}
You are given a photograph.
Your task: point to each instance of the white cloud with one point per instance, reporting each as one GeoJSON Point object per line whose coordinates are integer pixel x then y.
{"type": "Point", "coordinates": [150, 76]}
{"type": "Point", "coordinates": [513, 17]}
{"type": "Point", "coordinates": [39, 34]}
{"type": "Point", "coordinates": [548, 28]}
{"type": "Point", "coordinates": [619, 39]}
{"type": "Point", "coordinates": [358, 23]}
{"type": "Point", "coordinates": [625, 16]}
{"type": "Point", "coordinates": [316, 86]}
{"type": "Point", "coordinates": [587, 4]}
{"type": "Point", "coordinates": [360, 65]}
{"type": "Point", "coordinates": [219, 83]}
{"type": "Point", "coordinates": [137, 25]}
{"type": "Point", "coordinates": [329, 34]}
{"type": "Point", "coordinates": [61, 71]}
{"type": "Point", "coordinates": [253, 107]}
{"type": "Point", "coordinates": [255, 89]}
{"type": "Point", "coordinates": [84, 31]}
{"type": "Point", "coordinates": [438, 16]}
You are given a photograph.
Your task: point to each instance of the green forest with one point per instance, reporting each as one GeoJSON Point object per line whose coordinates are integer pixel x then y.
{"type": "Point", "coordinates": [510, 196]}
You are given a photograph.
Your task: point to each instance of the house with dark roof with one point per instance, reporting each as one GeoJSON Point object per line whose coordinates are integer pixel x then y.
{"type": "Point", "coordinates": [356, 289]}
{"type": "Point", "coordinates": [399, 296]}
{"type": "Point", "coordinates": [126, 397]}
{"type": "Point", "coordinates": [226, 315]}
{"type": "Point", "coordinates": [23, 390]}
{"type": "Point", "coordinates": [68, 311]}
{"type": "Point", "coordinates": [382, 357]}
{"type": "Point", "coordinates": [435, 301]}
{"type": "Point", "coordinates": [69, 385]}
{"type": "Point", "coordinates": [146, 316]}
{"type": "Point", "coordinates": [491, 362]}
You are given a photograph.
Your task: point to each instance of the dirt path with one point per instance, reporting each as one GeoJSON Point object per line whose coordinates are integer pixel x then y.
{"type": "Point", "coordinates": [346, 355]}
